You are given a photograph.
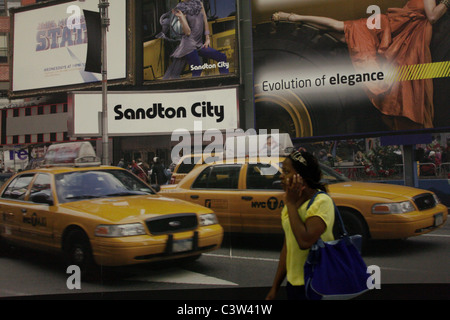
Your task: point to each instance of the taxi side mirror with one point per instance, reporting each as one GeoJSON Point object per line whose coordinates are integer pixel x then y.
{"type": "Point", "coordinates": [42, 197]}
{"type": "Point", "coordinates": [156, 187]}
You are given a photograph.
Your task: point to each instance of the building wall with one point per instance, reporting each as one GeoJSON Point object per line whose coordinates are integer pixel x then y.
{"type": "Point", "coordinates": [39, 124]}
{"type": "Point", "coordinates": [4, 67]}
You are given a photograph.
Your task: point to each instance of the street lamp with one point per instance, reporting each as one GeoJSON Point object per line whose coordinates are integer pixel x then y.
{"type": "Point", "coordinates": [103, 7]}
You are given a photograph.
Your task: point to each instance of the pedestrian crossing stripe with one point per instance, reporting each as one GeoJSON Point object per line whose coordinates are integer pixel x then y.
{"type": "Point", "coordinates": [176, 275]}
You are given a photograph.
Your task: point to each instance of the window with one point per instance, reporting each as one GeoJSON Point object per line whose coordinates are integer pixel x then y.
{"type": "Point", "coordinates": [40, 137]}
{"type": "Point", "coordinates": [53, 136]}
{"type": "Point", "coordinates": [188, 164]}
{"type": "Point", "coordinates": [150, 20]}
{"type": "Point", "coordinates": [330, 176]}
{"type": "Point", "coordinates": [263, 176]}
{"type": "Point", "coordinates": [28, 138]}
{"type": "Point", "coordinates": [18, 187]}
{"type": "Point", "coordinates": [53, 108]}
{"type": "Point", "coordinates": [80, 185]}
{"type": "Point", "coordinates": [3, 48]}
{"type": "Point", "coordinates": [218, 177]}
{"type": "Point", "coordinates": [41, 185]}
{"type": "Point", "coordinates": [202, 180]}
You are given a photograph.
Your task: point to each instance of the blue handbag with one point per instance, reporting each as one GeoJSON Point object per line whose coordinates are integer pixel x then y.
{"type": "Point", "coordinates": [335, 269]}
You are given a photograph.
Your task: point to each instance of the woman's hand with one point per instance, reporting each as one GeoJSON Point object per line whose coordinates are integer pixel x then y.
{"type": "Point", "coordinates": [177, 13]}
{"type": "Point", "coordinates": [294, 189]}
{"type": "Point", "coordinates": [281, 16]}
{"type": "Point", "coordinates": [272, 295]}
{"type": "Point", "coordinates": [207, 43]}
{"type": "Point", "coordinates": [184, 24]}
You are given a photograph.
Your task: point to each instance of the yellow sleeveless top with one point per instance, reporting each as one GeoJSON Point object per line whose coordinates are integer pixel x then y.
{"type": "Point", "coordinates": [323, 208]}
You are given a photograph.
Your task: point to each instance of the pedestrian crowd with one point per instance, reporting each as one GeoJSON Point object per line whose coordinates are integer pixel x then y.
{"type": "Point", "coordinates": [155, 173]}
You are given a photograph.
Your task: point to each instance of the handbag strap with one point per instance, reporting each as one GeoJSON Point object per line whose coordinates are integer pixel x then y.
{"type": "Point", "coordinates": [336, 212]}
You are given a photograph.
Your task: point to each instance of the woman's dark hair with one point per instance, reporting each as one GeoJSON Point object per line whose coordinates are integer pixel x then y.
{"type": "Point", "coordinates": [308, 167]}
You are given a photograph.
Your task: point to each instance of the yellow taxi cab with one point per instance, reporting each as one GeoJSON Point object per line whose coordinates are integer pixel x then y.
{"type": "Point", "coordinates": [187, 163]}
{"type": "Point", "coordinates": [246, 196]}
{"type": "Point", "coordinates": [100, 215]}
{"type": "Point", "coordinates": [235, 146]}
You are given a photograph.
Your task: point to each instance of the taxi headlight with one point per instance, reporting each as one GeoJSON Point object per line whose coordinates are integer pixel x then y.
{"type": "Point", "coordinates": [397, 207]}
{"type": "Point", "coordinates": [208, 219]}
{"type": "Point", "coordinates": [119, 230]}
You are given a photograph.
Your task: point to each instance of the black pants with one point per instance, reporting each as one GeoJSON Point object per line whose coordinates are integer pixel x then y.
{"type": "Point", "coordinates": [295, 292]}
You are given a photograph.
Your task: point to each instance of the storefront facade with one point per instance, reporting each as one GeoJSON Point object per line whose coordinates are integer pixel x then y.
{"type": "Point", "coordinates": [145, 124]}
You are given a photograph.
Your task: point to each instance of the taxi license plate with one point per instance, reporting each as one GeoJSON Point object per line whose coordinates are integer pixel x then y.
{"type": "Point", "coordinates": [182, 245]}
{"type": "Point", "coordinates": [438, 219]}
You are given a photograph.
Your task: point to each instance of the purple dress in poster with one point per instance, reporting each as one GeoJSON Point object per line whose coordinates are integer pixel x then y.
{"type": "Point", "coordinates": [192, 47]}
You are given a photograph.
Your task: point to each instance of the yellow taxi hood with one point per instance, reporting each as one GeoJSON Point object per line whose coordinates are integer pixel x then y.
{"type": "Point", "coordinates": [377, 190]}
{"type": "Point", "coordinates": [134, 207]}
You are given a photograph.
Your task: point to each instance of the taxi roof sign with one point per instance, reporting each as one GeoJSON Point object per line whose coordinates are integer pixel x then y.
{"type": "Point", "coordinates": [80, 153]}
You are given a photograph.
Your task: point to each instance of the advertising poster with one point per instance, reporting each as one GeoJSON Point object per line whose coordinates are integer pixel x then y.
{"type": "Point", "coordinates": [331, 67]}
{"type": "Point", "coordinates": [51, 43]}
{"type": "Point", "coordinates": [189, 39]}
{"type": "Point", "coordinates": [144, 113]}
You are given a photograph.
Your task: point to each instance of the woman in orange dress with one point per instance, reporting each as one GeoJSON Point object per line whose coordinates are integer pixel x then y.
{"type": "Point", "coordinates": [403, 38]}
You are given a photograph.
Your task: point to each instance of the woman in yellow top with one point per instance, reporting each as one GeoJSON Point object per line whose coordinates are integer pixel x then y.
{"type": "Point", "coordinates": [300, 178]}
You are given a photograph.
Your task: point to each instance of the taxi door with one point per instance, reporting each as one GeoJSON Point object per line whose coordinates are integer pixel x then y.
{"type": "Point", "coordinates": [12, 206]}
{"type": "Point", "coordinates": [218, 188]}
{"type": "Point", "coordinates": [262, 199]}
{"type": "Point", "coordinates": [37, 217]}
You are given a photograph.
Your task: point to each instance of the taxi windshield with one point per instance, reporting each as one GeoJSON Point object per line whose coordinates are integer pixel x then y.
{"type": "Point", "coordinates": [330, 176]}
{"type": "Point", "coordinates": [80, 185]}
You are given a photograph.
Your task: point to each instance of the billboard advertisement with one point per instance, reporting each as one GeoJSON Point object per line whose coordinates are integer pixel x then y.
{"type": "Point", "coordinates": [50, 42]}
{"type": "Point", "coordinates": [189, 39]}
{"type": "Point", "coordinates": [341, 68]}
{"type": "Point", "coordinates": [150, 113]}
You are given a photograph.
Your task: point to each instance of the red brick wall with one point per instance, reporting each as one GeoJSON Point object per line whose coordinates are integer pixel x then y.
{"type": "Point", "coordinates": [4, 24]}
{"type": "Point", "coordinates": [4, 68]}
{"type": "Point", "coordinates": [4, 72]}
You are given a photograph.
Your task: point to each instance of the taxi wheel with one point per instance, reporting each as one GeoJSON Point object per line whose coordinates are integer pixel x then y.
{"type": "Point", "coordinates": [78, 251]}
{"type": "Point", "coordinates": [354, 224]}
